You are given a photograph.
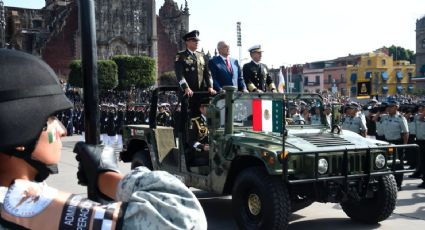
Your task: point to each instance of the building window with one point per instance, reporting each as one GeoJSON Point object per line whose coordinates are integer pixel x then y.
{"type": "Point", "coordinates": [342, 78]}
{"type": "Point", "coordinates": [369, 62]}
{"type": "Point", "coordinates": [423, 44]}
{"type": "Point", "coordinates": [317, 80]}
{"type": "Point", "coordinates": [329, 79]}
{"type": "Point", "coordinates": [305, 80]}
{"type": "Point", "coordinates": [384, 62]}
{"type": "Point", "coordinates": [36, 24]}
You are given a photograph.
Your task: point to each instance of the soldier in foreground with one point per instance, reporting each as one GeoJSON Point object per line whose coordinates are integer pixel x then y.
{"type": "Point", "coordinates": [30, 149]}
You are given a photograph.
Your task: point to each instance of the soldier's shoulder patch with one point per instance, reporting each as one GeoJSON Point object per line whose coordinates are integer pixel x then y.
{"type": "Point", "coordinates": [27, 199]}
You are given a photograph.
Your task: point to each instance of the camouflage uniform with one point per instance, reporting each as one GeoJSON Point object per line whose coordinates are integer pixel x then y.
{"type": "Point", "coordinates": [147, 200]}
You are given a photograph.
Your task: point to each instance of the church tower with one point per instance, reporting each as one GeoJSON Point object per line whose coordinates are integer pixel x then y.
{"type": "Point", "coordinates": [2, 25]}
{"type": "Point", "coordinates": [175, 21]}
{"type": "Point", "coordinates": [420, 47]}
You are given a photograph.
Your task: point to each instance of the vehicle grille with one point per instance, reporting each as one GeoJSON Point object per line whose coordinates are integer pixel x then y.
{"type": "Point", "coordinates": [324, 139]}
{"type": "Point", "coordinates": [357, 163]}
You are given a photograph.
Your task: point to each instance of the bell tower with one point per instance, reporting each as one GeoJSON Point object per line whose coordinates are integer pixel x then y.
{"type": "Point", "coordinates": [2, 25]}
{"type": "Point", "coordinates": [420, 47]}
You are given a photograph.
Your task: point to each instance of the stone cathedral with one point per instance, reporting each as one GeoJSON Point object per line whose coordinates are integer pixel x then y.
{"type": "Point", "coordinates": [122, 27]}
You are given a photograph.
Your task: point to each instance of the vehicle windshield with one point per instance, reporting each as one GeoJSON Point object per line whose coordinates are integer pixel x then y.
{"type": "Point", "coordinates": [264, 112]}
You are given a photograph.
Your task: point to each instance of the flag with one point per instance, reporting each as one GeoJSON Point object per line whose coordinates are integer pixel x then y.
{"type": "Point", "coordinates": [267, 115]}
{"type": "Point", "coordinates": [281, 86]}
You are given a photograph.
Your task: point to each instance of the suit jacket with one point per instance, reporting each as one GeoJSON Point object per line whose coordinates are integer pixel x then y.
{"type": "Point", "coordinates": [257, 77]}
{"type": "Point", "coordinates": [222, 76]}
{"type": "Point", "coordinates": [192, 71]}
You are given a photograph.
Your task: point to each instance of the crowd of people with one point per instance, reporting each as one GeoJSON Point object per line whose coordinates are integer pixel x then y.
{"type": "Point", "coordinates": [373, 119]}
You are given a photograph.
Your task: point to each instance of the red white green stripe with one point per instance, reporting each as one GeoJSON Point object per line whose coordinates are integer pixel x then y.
{"type": "Point", "coordinates": [267, 115]}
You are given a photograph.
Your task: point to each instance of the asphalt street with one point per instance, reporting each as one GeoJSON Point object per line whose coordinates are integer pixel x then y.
{"type": "Point", "coordinates": [409, 213]}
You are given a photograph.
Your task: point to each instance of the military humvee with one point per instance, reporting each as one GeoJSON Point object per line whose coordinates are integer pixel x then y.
{"type": "Point", "coordinates": [271, 164]}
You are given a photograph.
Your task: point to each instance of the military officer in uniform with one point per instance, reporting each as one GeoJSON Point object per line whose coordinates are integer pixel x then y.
{"type": "Point", "coordinates": [396, 131]}
{"type": "Point", "coordinates": [353, 121]}
{"type": "Point", "coordinates": [256, 74]}
{"type": "Point", "coordinates": [163, 118]}
{"type": "Point", "coordinates": [198, 137]}
{"type": "Point", "coordinates": [192, 72]}
{"type": "Point", "coordinates": [316, 118]}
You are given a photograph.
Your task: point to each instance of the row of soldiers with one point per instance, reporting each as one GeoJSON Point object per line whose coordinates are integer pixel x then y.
{"type": "Point", "coordinates": [113, 117]}
{"type": "Point", "coordinates": [384, 121]}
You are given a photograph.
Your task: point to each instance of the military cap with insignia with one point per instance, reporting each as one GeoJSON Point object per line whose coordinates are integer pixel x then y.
{"type": "Point", "coordinates": [393, 103]}
{"type": "Point", "coordinates": [353, 105]}
{"type": "Point", "coordinates": [192, 35]}
{"type": "Point", "coordinates": [255, 48]}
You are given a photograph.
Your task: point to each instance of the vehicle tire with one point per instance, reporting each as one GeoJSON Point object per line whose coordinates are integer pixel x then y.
{"type": "Point", "coordinates": [142, 158]}
{"type": "Point", "coordinates": [260, 201]}
{"type": "Point", "coordinates": [376, 209]}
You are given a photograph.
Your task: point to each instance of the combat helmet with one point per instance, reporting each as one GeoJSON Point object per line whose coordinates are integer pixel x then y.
{"type": "Point", "coordinates": [30, 92]}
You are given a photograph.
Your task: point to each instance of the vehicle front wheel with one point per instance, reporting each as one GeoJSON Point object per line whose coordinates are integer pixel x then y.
{"type": "Point", "coordinates": [141, 158]}
{"type": "Point", "coordinates": [260, 201]}
{"type": "Point", "coordinates": [375, 209]}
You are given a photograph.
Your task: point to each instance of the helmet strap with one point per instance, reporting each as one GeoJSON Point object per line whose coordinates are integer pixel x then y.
{"type": "Point", "coordinates": [24, 152]}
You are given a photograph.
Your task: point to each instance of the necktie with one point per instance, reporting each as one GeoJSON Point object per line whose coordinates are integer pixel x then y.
{"type": "Point", "coordinates": [229, 67]}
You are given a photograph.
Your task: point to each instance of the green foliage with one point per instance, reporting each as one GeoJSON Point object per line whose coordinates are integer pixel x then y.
{"type": "Point", "coordinates": [106, 72]}
{"type": "Point", "coordinates": [75, 77]}
{"type": "Point", "coordinates": [399, 53]}
{"type": "Point", "coordinates": [139, 71]}
{"type": "Point", "coordinates": [168, 78]}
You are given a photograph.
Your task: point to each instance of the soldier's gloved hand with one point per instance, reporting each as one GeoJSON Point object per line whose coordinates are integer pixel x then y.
{"type": "Point", "coordinates": [93, 160]}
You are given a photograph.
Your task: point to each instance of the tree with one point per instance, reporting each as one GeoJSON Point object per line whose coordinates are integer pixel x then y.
{"type": "Point", "coordinates": [75, 77]}
{"type": "Point", "coordinates": [138, 71]}
{"type": "Point", "coordinates": [399, 53]}
{"type": "Point", "coordinates": [107, 73]}
{"type": "Point", "coordinates": [168, 78]}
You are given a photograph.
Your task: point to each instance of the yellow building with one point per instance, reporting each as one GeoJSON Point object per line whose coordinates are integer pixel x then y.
{"type": "Point", "coordinates": [377, 74]}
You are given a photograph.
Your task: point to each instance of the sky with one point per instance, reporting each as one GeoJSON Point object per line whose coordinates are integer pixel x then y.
{"type": "Point", "coordinates": [298, 31]}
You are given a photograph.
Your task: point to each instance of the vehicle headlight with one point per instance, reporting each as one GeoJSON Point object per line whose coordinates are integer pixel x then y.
{"type": "Point", "coordinates": [379, 161]}
{"type": "Point", "coordinates": [322, 166]}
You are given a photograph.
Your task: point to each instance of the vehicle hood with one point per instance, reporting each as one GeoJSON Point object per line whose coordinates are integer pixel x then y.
{"type": "Point", "coordinates": [307, 140]}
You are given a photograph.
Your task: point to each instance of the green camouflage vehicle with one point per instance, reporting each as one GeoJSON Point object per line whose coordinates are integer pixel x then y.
{"type": "Point", "coordinates": [271, 165]}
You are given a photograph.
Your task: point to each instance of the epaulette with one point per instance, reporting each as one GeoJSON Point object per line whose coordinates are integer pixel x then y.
{"type": "Point", "coordinates": [195, 118]}
{"type": "Point", "coordinates": [179, 54]}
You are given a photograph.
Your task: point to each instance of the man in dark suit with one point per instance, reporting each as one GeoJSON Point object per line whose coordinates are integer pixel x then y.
{"type": "Point", "coordinates": [225, 70]}
{"type": "Point", "coordinates": [192, 72]}
{"type": "Point", "coordinates": [256, 74]}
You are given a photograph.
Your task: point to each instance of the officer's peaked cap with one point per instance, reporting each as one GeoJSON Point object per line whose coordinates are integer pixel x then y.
{"type": "Point", "coordinates": [353, 105]}
{"type": "Point", "coordinates": [255, 48]}
{"type": "Point", "coordinates": [194, 34]}
{"type": "Point", "coordinates": [393, 103]}
{"type": "Point", "coordinates": [30, 92]}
